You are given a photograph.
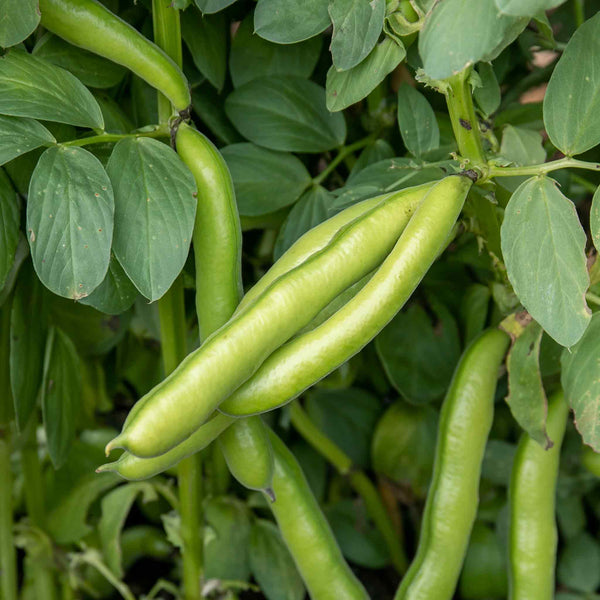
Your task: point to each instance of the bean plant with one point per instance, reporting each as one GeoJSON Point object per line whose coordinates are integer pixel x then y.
{"type": "Point", "coordinates": [299, 298]}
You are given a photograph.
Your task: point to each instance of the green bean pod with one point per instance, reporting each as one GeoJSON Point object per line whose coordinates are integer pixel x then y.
{"type": "Point", "coordinates": [183, 401]}
{"type": "Point", "coordinates": [90, 25]}
{"type": "Point", "coordinates": [532, 500]}
{"type": "Point", "coordinates": [307, 534]}
{"type": "Point", "coordinates": [453, 496]}
{"type": "Point", "coordinates": [300, 363]}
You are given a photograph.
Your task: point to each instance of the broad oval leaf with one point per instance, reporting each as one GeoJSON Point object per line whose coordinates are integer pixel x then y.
{"type": "Point", "coordinates": [572, 100]}
{"type": "Point", "coordinates": [89, 68]}
{"type": "Point", "coordinates": [18, 136]}
{"type": "Point", "coordinates": [285, 113]}
{"type": "Point", "coordinates": [526, 8]}
{"type": "Point", "coordinates": [580, 378]}
{"type": "Point", "coordinates": [357, 26]}
{"type": "Point", "coordinates": [264, 181]}
{"type": "Point", "coordinates": [543, 245]}
{"type": "Point", "coordinates": [459, 33]}
{"type": "Point", "coordinates": [155, 206]}
{"type": "Point", "coordinates": [209, 7]}
{"type": "Point", "coordinates": [522, 146]}
{"type": "Point", "coordinates": [19, 19]}
{"type": "Point", "coordinates": [9, 226]}
{"type": "Point", "coordinates": [32, 87]}
{"type": "Point", "coordinates": [61, 394]}
{"type": "Point", "coordinates": [290, 21]}
{"type": "Point", "coordinates": [253, 57]}
{"type": "Point", "coordinates": [416, 120]}
{"type": "Point", "coordinates": [348, 87]}
{"type": "Point", "coordinates": [70, 212]}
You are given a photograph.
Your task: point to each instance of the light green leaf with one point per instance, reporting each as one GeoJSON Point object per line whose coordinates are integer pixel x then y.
{"type": "Point", "coordinates": [9, 226]}
{"type": "Point", "coordinates": [572, 100]}
{"type": "Point", "coordinates": [18, 136]}
{"type": "Point", "coordinates": [526, 8]}
{"type": "Point", "coordinates": [212, 6]}
{"type": "Point", "coordinates": [253, 57]}
{"type": "Point", "coordinates": [357, 25]}
{"type": "Point", "coordinates": [595, 219]}
{"type": "Point", "coordinates": [18, 19]}
{"type": "Point", "coordinates": [89, 68]}
{"type": "Point", "coordinates": [488, 95]}
{"type": "Point", "coordinates": [522, 146]}
{"type": "Point", "coordinates": [256, 172]}
{"type": "Point", "coordinates": [155, 206]}
{"type": "Point", "coordinates": [348, 87]}
{"type": "Point", "coordinates": [290, 21]}
{"type": "Point", "coordinates": [206, 39]}
{"type": "Point", "coordinates": [416, 120]}
{"type": "Point", "coordinates": [61, 394]}
{"type": "Point", "coordinates": [32, 87]}
{"type": "Point", "coordinates": [459, 33]}
{"type": "Point", "coordinates": [70, 221]}
{"type": "Point", "coordinates": [580, 378]}
{"type": "Point", "coordinates": [285, 113]}
{"type": "Point", "coordinates": [543, 245]}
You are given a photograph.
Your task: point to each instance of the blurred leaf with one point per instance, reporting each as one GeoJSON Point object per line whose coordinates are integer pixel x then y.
{"type": "Point", "coordinates": [474, 310]}
{"type": "Point", "coordinates": [595, 219]}
{"type": "Point", "coordinates": [9, 226]}
{"type": "Point", "coordinates": [313, 465]}
{"type": "Point", "coordinates": [498, 461]}
{"type": "Point", "coordinates": [18, 136]}
{"type": "Point", "coordinates": [213, 6]}
{"type": "Point", "coordinates": [416, 120]}
{"type": "Point", "coordinates": [579, 564]}
{"type": "Point", "coordinates": [19, 20]}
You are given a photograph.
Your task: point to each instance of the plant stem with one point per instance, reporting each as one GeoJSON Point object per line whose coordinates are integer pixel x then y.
{"type": "Point", "coordinates": [593, 298]}
{"type": "Point", "coordinates": [342, 154]}
{"type": "Point", "coordinates": [541, 169]}
{"type": "Point", "coordinates": [109, 138]}
{"type": "Point", "coordinates": [462, 116]}
{"type": "Point", "coordinates": [8, 556]}
{"type": "Point", "coordinates": [358, 480]}
{"type": "Point", "coordinates": [579, 12]}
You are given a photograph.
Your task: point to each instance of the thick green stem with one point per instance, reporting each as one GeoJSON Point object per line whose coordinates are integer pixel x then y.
{"type": "Point", "coordinates": [358, 480]}
{"type": "Point", "coordinates": [579, 12]}
{"type": "Point", "coordinates": [464, 121]}
{"type": "Point", "coordinates": [541, 169]}
{"type": "Point", "coordinates": [110, 138]}
{"type": "Point", "coordinates": [8, 555]}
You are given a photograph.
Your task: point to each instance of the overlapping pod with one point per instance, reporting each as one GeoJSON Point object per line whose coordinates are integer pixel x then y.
{"type": "Point", "coordinates": [532, 501]}
{"type": "Point", "coordinates": [453, 496]}
{"type": "Point", "coordinates": [300, 363]}
{"type": "Point", "coordinates": [90, 25]}
{"type": "Point", "coordinates": [234, 352]}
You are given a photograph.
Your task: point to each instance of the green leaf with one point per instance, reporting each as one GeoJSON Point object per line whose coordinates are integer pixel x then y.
{"type": "Point", "coordinates": [375, 152]}
{"type": "Point", "coordinates": [28, 328]}
{"type": "Point", "coordinates": [212, 6]}
{"type": "Point", "coordinates": [18, 136]}
{"type": "Point", "coordinates": [309, 211]}
{"type": "Point", "coordinates": [357, 26]}
{"type": "Point", "coordinates": [9, 226]}
{"type": "Point", "coordinates": [543, 245]}
{"type": "Point", "coordinates": [115, 508]}
{"type": "Point", "coordinates": [70, 221]}
{"type": "Point", "coordinates": [498, 461]}
{"type": "Point", "coordinates": [526, 8]}
{"type": "Point", "coordinates": [290, 21]}
{"type": "Point", "coordinates": [272, 564]}
{"type": "Point", "coordinates": [209, 105]}
{"type": "Point", "coordinates": [115, 120]}
{"type": "Point", "coordinates": [580, 379]}
{"type": "Point", "coordinates": [416, 120]}
{"type": "Point", "coordinates": [19, 19]}
{"type": "Point", "coordinates": [526, 396]}
{"type": "Point", "coordinates": [459, 33]}
{"type": "Point", "coordinates": [155, 206]}
{"type": "Point", "coordinates": [572, 99]}
{"type": "Point", "coordinates": [488, 95]}
{"type": "Point", "coordinates": [90, 69]}
{"type": "Point", "coordinates": [595, 219]}
{"type": "Point", "coordinates": [522, 146]}
{"type": "Point", "coordinates": [253, 57]}
{"type": "Point", "coordinates": [348, 87]}
{"type": "Point", "coordinates": [579, 564]}
{"type": "Point", "coordinates": [206, 39]}
{"type": "Point", "coordinates": [32, 87]}
{"type": "Point", "coordinates": [115, 294]}
{"type": "Point", "coordinates": [61, 393]}
{"type": "Point", "coordinates": [474, 311]}
{"type": "Point", "coordinates": [285, 113]}
{"type": "Point", "coordinates": [256, 172]}
{"type": "Point", "coordinates": [419, 356]}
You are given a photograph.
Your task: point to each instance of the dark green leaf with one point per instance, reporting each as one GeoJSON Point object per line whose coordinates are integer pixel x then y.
{"type": "Point", "coordinates": [394, 174]}
{"type": "Point", "coordinates": [488, 94]}
{"type": "Point", "coordinates": [579, 564]}
{"type": "Point", "coordinates": [70, 221]}
{"type": "Point", "coordinates": [61, 392]}
{"type": "Point", "coordinates": [209, 107]}
{"type": "Point", "coordinates": [357, 26]}
{"type": "Point", "coordinates": [498, 461]}
{"type": "Point", "coordinates": [253, 57]}
{"type": "Point", "coordinates": [155, 206]}
{"type": "Point", "coordinates": [543, 245]}
{"type": "Point", "coordinates": [212, 6]}
{"type": "Point", "coordinates": [290, 21]}
{"type": "Point", "coordinates": [256, 172]}
{"type": "Point", "coordinates": [526, 8]}
{"type": "Point", "coordinates": [348, 87]}
{"type": "Point", "coordinates": [9, 226]}
{"type": "Point", "coordinates": [115, 120]}
{"type": "Point", "coordinates": [285, 113]}
{"type": "Point", "coordinates": [572, 100]}
{"type": "Point", "coordinates": [416, 120]}
{"type": "Point", "coordinates": [32, 87]}
{"type": "Point", "coordinates": [377, 151]}
{"type": "Point", "coordinates": [474, 311]}
{"type": "Point", "coordinates": [522, 146]}
{"type": "Point", "coordinates": [19, 19]}
{"type": "Point", "coordinates": [18, 136]}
